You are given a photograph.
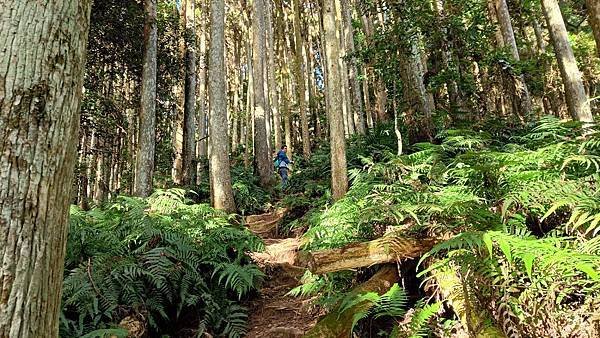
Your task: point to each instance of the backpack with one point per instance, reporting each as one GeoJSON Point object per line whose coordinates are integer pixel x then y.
{"type": "Point", "coordinates": [276, 163]}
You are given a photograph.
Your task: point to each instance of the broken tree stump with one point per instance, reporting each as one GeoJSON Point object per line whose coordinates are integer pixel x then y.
{"type": "Point", "coordinates": [390, 248]}
{"type": "Point", "coordinates": [337, 324]}
{"type": "Point", "coordinates": [265, 225]}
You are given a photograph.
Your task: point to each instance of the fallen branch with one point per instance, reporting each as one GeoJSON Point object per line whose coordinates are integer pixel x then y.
{"type": "Point", "coordinates": [337, 324]}
{"type": "Point", "coordinates": [387, 249]}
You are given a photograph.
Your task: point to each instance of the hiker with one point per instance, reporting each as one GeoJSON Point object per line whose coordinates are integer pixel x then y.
{"type": "Point", "coordinates": [282, 164]}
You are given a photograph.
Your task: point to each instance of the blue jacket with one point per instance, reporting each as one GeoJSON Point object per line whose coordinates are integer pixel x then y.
{"type": "Point", "coordinates": [283, 159]}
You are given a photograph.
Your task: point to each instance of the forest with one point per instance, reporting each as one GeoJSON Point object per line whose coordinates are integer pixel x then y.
{"type": "Point", "coordinates": [299, 168]}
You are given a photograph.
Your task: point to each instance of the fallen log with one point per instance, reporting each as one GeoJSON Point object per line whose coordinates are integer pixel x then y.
{"type": "Point", "coordinates": [387, 249]}
{"type": "Point", "coordinates": [337, 324]}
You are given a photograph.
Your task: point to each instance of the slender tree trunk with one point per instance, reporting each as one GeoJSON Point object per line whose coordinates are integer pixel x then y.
{"type": "Point", "coordinates": [593, 8]}
{"type": "Point", "coordinates": [270, 66]}
{"type": "Point", "coordinates": [202, 115]}
{"type": "Point", "coordinates": [445, 51]}
{"type": "Point", "coordinates": [508, 36]}
{"type": "Point", "coordinates": [286, 88]}
{"type": "Point", "coordinates": [539, 36]}
{"type": "Point", "coordinates": [577, 100]}
{"type": "Point", "coordinates": [262, 157]}
{"type": "Point", "coordinates": [146, 141]}
{"type": "Point", "coordinates": [41, 79]}
{"type": "Point", "coordinates": [249, 145]}
{"type": "Point", "coordinates": [82, 165]}
{"type": "Point", "coordinates": [178, 92]}
{"type": "Point", "coordinates": [348, 110]}
{"type": "Point", "coordinates": [101, 181]}
{"type": "Point", "coordinates": [367, 97]}
{"type": "Point", "coordinates": [189, 108]}
{"type": "Point", "coordinates": [237, 80]}
{"type": "Point", "coordinates": [357, 106]}
{"type": "Point", "coordinates": [300, 85]}
{"type": "Point", "coordinates": [339, 172]}
{"type": "Point", "coordinates": [221, 191]}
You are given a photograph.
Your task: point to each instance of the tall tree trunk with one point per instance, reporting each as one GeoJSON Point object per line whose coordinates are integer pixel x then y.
{"type": "Point", "coordinates": [101, 182]}
{"type": "Point", "coordinates": [249, 103]}
{"type": "Point", "coordinates": [357, 106]}
{"type": "Point", "coordinates": [82, 165]}
{"type": "Point", "coordinates": [508, 36]}
{"type": "Point", "coordinates": [539, 36]}
{"type": "Point", "coordinates": [339, 172]}
{"type": "Point", "coordinates": [178, 92]}
{"type": "Point", "coordinates": [262, 157]}
{"type": "Point", "coordinates": [41, 79]}
{"type": "Point", "coordinates": [237, 84]}
{"type": "Point", "coordinates": [270, 96]}
{"type": "Point", "coordinates": [445, 52]}
{"type": "Point", "coordinates": [189, 108]}
{"type": "Point", "coordinates": [348, 111]}
{"type": "Point", "coordinates": [367, 97]}
{"type": "Point", "coordinates": [593, 8]}
{"type": "Point", "coordinates": [221, 191]}
{"type": "Point", "coordinates": [300, 86]}
{"type": "Point", "coordinates": [577, 100]}
{"type": "Point", "coordinates": [144, 166]}
{"type": "Point", "coordinates": [202, 116]}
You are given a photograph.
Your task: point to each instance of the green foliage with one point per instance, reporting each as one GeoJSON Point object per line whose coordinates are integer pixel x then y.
{"type": "Point", "coordinates": [370, 304]}
{"type": "Point", "coordinates": [160, 258]}
{"type": "Point", "coordinates": [521, 209]}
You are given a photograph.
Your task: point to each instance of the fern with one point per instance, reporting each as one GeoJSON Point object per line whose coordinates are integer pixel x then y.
{"type": "Point", "coordinates": [390, 304]}
{"type": "Point", "coordinates": [155, 257]}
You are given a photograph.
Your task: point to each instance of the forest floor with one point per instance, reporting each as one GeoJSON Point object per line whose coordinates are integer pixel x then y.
{"type": "Point", "coordinates": [273, 313]}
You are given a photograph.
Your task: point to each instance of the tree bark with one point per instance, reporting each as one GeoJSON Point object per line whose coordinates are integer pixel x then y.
{"type": "Point", "coordinates": [248, 144]}
{"type": "Point", "coordinates": [339, 171]}
{"type": "Point", "coordinates": [262, 157]}
{"type": "Point", "coordinates": [300, 85]}
{"type": "Point", "coordinates": [346, 95]}
{"type": "Point", "coordinates": [222, 193]}
{"type": "Point", "coordinates": [202, 144]}
{"type": "Point", "coordinates": [357, 106]}
{"type": "Point", "coordinates": [508, 36]}
{"type": "Point", "coordinates": [271, 87]}
{"type": "Point", "coordinates": [388, 249]}
{"type": "Point", "coordinates": [593, 8]}
{"type": "Point", "coordinates": [189, 107]}
{"type": "Point", "coordinates": [144, 166]}
{"type": "Point", "coordinates": [41, 79]}
{"type": "Point", "coordinates": [101, 181]}
{"type": "Point", "coordinates": [446, 54]}
{"type": "Point", "coordinates": [577, 100]}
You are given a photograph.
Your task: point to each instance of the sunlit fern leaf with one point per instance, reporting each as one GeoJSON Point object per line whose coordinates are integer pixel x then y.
{"type": "Point", "coordinates": [421, 317]}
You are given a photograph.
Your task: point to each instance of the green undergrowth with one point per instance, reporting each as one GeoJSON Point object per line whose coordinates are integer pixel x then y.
{"type": "Point", "coordinates": [175, 268]}
{"type": "Point", "coordinates": [521, 209]}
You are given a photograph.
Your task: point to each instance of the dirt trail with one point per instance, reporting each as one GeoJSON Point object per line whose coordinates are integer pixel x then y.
{"type": "Point", "coordinates": [272, 313]}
